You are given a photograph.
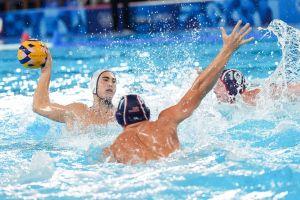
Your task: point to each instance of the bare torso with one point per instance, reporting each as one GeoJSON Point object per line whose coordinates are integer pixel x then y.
{"type": "Point", "coordinates": [81, 115]}
{"type": "Point", "coordinates": [144, 141]}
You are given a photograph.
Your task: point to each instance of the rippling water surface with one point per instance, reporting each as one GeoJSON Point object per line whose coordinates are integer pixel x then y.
{"type": "Point", "coordinates": [227, 151]}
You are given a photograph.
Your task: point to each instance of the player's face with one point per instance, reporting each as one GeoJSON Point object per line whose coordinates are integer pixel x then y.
{"type": "Point", "coordinates": [221, 92]}
{"type": "Point", "coordinates": [107, 85]}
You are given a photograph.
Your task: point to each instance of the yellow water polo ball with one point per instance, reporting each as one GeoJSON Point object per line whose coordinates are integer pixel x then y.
{"type": "Point", "coordinates": [32, 54]}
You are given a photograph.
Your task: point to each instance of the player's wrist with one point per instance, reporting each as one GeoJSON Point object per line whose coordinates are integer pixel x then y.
{"type": "Point", "coordinates": [227, 50]}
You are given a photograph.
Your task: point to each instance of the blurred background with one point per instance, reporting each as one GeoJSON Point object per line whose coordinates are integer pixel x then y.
{"type": "Point", "coordinates": [52, 19]}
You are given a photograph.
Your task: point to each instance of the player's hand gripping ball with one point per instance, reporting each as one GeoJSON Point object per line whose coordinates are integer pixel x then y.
{"type": "Point", "coordinates": [32, 54]}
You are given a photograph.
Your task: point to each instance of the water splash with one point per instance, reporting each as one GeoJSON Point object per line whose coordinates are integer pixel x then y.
{"type": "Point", "coordinates": [227, 151]}
{"type": "Point", "coordinates": [41, 168]}
{"type": "Point", "coordinates": [288, 70]}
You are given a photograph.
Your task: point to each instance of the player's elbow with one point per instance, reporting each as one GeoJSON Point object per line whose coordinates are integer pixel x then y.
{"type": "Point", "coordinates": [37, 108]}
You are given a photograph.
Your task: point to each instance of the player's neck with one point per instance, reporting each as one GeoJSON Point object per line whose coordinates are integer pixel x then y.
{"type": "Point", "coordinates": [102, 104]}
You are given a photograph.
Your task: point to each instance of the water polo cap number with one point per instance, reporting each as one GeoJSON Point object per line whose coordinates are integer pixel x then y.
{"type": "Point", "coordinates": [235, 75]}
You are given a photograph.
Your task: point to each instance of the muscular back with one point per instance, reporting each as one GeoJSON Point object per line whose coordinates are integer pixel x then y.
{"type": "Point", "coordinates": [145, 141]}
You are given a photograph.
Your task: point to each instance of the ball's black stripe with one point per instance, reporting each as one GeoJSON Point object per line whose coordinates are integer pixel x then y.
{"type": "Point", "coordinates": [24, 60]}
{"type": "Point", "coordinates": [25, 50]}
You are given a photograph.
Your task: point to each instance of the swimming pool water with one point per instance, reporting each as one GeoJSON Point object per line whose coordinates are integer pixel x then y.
{"type": "Point", "coordinates": [227, 151]}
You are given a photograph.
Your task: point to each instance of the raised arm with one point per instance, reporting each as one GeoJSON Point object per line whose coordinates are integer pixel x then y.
{"type": "Point", "coordinates": [207, 79]}
{"type": "Point", "coordinates": [41, 101]}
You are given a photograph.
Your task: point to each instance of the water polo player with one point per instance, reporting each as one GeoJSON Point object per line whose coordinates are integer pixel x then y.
{"type": "Point", "coordinates": [103, 85]}
{"type": "Point", "coordinates": [232, 83]}
{"type": "Point", "coordinates": [142, 139]}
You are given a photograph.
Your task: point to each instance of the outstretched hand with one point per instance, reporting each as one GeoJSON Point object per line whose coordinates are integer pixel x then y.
{"type": "Point", "coordinates": [234, 40]}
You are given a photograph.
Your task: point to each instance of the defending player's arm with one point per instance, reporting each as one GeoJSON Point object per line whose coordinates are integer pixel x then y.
{"type": "Point", "coordinates": [206, 79]}
{"type": "Point", "coordinates": [41, 101]}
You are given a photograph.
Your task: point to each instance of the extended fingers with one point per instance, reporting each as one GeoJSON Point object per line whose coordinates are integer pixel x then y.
{"type": "Point", "coordinates": [49, 58]}
{"type": "Point", "coordinates": [236, 38]}
{"type": "Point", "coordinates": [246, 32]}
{"type": "Point", "coordinates": [247, 40]}
{"type": "Point", "coordinates": [244, 28]}
{"type": "Point", "coordinates": [224, 34]}
{"type": "Point", "coordinates": [237, 26]}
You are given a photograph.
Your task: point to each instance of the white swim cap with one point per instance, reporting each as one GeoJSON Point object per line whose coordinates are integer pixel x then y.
{"type": "Point", "coordinates": [95, 79]}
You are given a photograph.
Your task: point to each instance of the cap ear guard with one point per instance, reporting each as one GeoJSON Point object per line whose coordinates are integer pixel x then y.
{"type": "Point", "coordinates": [145, 109]}
{"type": "Point", "coordinates": [120, 112]}
{"type": "Point", "coordinates": [131, 109]}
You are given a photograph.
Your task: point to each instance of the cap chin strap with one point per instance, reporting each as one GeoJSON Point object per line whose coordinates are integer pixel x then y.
{"type": "Point", "coordinates": [231, 98]}
{"type": "Point", "coordinates": [106, 101]}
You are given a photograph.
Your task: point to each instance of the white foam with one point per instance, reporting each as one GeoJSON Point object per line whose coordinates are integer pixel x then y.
{"type": "Point", "coordinates": [41, 168]}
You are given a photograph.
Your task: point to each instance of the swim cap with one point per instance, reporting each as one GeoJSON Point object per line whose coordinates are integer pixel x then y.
{"type": "Point", "coordinates": [234, 81]}
{"type": "Point", "coordinates": [132, 109]}
{"type": "Point", "coordinates": [95, 79]}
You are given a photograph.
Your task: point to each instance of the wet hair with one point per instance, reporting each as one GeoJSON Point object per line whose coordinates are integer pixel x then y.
{"type": "Point", "coordinates": [132, 109]}
{"type": "Point", "coordinates": [234, 81]}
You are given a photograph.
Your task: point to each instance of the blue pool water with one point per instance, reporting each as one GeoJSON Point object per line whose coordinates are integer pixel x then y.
{"type": "Point", "coordinates": [227, 151]}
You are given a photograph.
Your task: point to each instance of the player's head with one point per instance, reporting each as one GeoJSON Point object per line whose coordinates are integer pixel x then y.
{"type": "Point", "coordinates": [132, 109]}
{"type": "Point", "coordinates": [103, 84]}
{"type": "Point", "coordinates": [231, 83]}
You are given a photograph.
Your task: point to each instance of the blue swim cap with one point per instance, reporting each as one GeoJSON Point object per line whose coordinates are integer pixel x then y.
{"type": "Point", "coordinates": [132, 109]}
{"type": "Point", "coordinates": [234, 81]}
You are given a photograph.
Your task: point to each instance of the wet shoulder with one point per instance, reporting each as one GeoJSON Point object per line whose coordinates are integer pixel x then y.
{"type": "Point", "coordinates": [159, 128]}
{"type": "Point", "coordinates": [78, 107]}
{"type": "Point", "coordinates": [159, 138]}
